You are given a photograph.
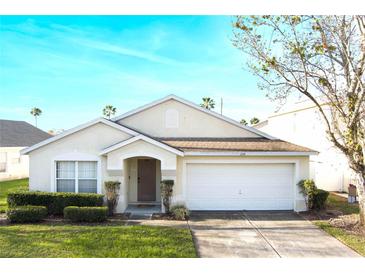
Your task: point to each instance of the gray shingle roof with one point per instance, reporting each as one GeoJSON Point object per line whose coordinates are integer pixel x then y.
{"type": "Point", "coordinates": [233, 144]}
{"type": "Point", "coordinates": [20, 134]}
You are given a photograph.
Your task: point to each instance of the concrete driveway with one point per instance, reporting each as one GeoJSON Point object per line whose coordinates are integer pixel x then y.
{"type": "Point", "coordinates": [262, 234]}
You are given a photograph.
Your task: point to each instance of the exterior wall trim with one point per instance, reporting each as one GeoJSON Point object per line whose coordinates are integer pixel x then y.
{"type": "Point", "coordinates": [249, 153]}
{"type": "Point", "coordinates": [143, 138]}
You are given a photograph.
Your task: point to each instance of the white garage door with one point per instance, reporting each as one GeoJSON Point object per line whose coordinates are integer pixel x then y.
{"type": "Point", "coordinates": [240, 186]}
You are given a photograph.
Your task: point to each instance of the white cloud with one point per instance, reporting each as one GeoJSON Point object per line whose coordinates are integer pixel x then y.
{"type": "Point", "coordinates": [126, 51]}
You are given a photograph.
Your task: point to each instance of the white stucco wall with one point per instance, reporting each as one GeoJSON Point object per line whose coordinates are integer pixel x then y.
{"type": "Point", "coordinates": [17, 166]}
{"type": "Point", "coordinates": [78, 146]}
{"type": "Point", "coordinates": [191, 122]}
{"type": "Point", "coordinates": [329, 168]}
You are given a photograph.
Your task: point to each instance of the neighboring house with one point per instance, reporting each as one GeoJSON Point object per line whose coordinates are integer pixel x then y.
{"type": "Point", "coordinates": [301, 123]}
{"type": "Point", "coordinates": [216, 163]}
{"type": "Point", "coordinates": [15, 136]}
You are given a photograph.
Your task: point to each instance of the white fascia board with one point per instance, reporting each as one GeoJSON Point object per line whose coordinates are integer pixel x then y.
{"type": "Point", "coordinates": [143, 138]}
{"type": "Point", "coordinates": [193, 105]}
{"type": "Point", "coordinates": [248, 153]}
{"type": "Point", "coordinates": [76, 129]}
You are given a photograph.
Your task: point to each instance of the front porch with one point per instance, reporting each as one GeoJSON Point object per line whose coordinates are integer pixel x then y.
{"type": "Point", "coordinates": [140, 165]}
{"type": "Point", "coordinates": [143, 210]}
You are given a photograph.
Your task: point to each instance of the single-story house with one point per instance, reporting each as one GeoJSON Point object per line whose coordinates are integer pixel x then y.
{"type": "Point", "coordinates": [15, 136]}
{"type": "Point", "coordinates": [215, 162]}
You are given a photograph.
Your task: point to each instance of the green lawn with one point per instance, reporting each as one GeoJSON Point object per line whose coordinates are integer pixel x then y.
{"type": "Point", "coordinates": [96, 241]}
{"type": "Point", "coordinates": [339, 203]}
{"type": "Point", "coordinates": [8, 186]}
{"type": "Point", "coordinates": [355, 241]}
{"type": "Point", "coordinates": [33, 241]}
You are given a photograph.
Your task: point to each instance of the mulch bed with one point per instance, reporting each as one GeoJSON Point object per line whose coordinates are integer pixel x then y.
{"type": "Point", "coordinates": [350, 223]}
{"type": "Point", "coordinates": [322, 215]}
{"type": "Point", "coordinates": [164, 216]}
{"type": "Point", "coordinates": [335, 218]}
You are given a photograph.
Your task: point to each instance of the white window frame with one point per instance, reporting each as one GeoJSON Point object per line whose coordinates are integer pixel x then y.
{"type": "Point", "coordinates": [76, 157]}
{"type": "Point", "coordinates": [78, 178]}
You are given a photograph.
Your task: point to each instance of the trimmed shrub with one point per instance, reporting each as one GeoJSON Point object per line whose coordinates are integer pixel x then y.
{"type": "Point", "coordinates": [308, 188]}
{"type": "Point", "coordinates": [112, 195]}
{"type": "Point", "coordinates": [26, 214]}
{"type": "Point", "coordinates": [86, 214]}
{"type": "Point", "coordinates": [180, 212]}
{"type": "Point", "coordinates": [320, 198]}
{"type": "Point", "coordinates": [54, 201]}
{"type": "Point", "coordinates": [166, 193]}
{"type": "Point", "coordinates": [315, 198]}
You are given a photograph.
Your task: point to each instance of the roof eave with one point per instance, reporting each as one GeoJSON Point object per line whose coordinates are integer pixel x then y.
{"type": "Point", "coordinates": [76, 129]}
{"type": "Point", "coordinates": [143, 138]}
{"type": "Point", "coordinates": [250, 153]}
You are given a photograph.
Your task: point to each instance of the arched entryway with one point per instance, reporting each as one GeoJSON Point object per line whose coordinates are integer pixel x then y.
{"type": "Point", "coordinates": [143, 176]}
{"type": "Point", "coordinates": [129, 160]}
{"type": "Point", "coordinates": [142, 179]}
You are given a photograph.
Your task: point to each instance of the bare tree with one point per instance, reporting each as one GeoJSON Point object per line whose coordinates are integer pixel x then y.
{"type": "Point", "coordinates": [322, 58]}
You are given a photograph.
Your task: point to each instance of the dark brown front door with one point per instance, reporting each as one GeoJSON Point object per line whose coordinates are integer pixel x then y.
{"type": "Point", "coordinates": [146, 180]}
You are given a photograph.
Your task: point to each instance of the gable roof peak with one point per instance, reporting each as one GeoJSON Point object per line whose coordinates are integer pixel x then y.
{"type": "Point", "coordinates": [78, 128]}
{"type": "Point", "coordinates": [197, 107]}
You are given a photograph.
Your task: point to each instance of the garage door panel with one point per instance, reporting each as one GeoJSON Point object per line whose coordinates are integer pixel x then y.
{"type": "Point", "coordinates": [239, 186]}
{"type": "Point", "coordinates": [236, 204]}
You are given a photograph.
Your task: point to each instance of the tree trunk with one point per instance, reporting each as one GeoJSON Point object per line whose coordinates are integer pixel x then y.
{"type": "Point", "coordinates": [361, 193]}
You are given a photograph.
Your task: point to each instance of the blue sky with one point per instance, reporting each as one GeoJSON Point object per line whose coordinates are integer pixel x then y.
{"type": "Point", "coordinates": [72, 66]}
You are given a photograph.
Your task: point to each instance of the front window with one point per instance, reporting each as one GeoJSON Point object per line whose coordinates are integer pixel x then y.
{"type": "Point", "coordinates": [76, 176]}
{"type": "Point", "coordinates": [87, 177]}
{"type": "Point", "coordinates": [2, 161]}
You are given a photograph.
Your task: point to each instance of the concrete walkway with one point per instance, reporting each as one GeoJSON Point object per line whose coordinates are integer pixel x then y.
{"type": "Point", "coordinates": [262, 235]}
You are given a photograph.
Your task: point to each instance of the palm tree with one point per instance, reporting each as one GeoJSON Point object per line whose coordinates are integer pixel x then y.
{"type": "Point", "coordinates": [36, 112]}
{"type": "Point", "coordinates": [243, 122]}
{"type": "Point", "coordinates": [109, 110]}
{"type": "Point", "coordinates": [208, 103]}
{"type": "Point", "coordinates": [254, 121]}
